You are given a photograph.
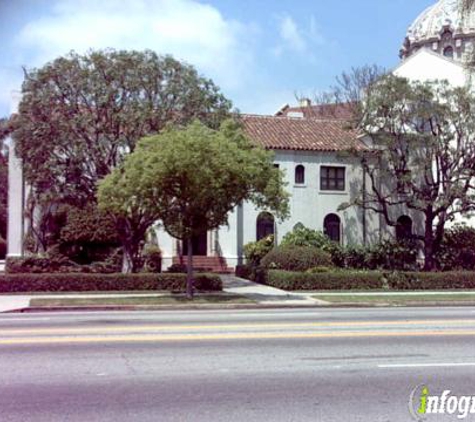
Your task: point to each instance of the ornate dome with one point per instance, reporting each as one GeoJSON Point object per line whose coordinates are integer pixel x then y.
{"type": "Point", "coordinates": [443, 29]}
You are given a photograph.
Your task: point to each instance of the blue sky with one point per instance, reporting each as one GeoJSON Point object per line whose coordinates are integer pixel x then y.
{"type": "Point", "coordinates": [260, 52]}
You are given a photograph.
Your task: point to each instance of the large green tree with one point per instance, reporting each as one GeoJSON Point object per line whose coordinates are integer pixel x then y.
{"type": "Point", "coordinates": [423, 155]}
{"type": "Point", "coordinates": [80, 114]}
{"type": "Point", "coordinates": [191, 179]}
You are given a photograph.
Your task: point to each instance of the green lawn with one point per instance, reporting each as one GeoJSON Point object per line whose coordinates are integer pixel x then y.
{"type": "Point", "coordinates": [177, 299]}
{"type": "Point", "coordinates": [399, 299]}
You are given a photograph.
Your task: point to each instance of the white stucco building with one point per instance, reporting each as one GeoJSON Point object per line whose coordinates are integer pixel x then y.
{"type": "Point", "coordinates": [311, 151]}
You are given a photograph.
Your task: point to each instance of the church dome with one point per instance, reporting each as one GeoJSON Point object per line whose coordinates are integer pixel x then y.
{"type": "Point", "coordinates": [443, 29]}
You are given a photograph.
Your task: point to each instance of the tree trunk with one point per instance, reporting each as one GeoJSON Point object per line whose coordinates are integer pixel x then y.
{"type": "Point", "coordinates": [429, 262]}
{"type": "Point", "coordinates": [189, 272]}
{"type": "Point", "coordinates": [128, 260]}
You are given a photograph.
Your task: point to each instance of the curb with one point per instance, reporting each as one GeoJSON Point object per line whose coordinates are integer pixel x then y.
{"type": "Point", "coordinates": [156, 308]}
{"type": "Point", "coordinates": [138, 308]}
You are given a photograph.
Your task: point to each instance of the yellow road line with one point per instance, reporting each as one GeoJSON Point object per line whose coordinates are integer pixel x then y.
{"type": "Point", "coordinates": [132, 328]}
{"type": "Point", "coordinates": [230, 336]}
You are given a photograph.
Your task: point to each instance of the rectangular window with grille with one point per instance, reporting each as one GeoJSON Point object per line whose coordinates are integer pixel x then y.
{"type": "Point", "coordinates": [332, 178]}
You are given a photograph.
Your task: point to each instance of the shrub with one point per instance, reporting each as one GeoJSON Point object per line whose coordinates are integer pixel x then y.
{"type": "Point", "coordinates": [296, 258]}
{"type": "Point", "coordinates": [346, 280]}
{"type": "Point", "coordinates": [57, 264]}
{"type": "Point", "coordinates": [104, 282]}
{"type": "Point", "coordinates": [255, 251]}
{"type": "Point", "coordinates": [243, 271]}
{"type": "Point", "coordinates": [177, 268]}
{"type": "Point", "coordinates": [457, 251]}
{"type": "Point", "coordinates": [356, 257]}
{"type": "Point", "coordinates": [3, 248]}
{"type": "Point", "coordinates": [88, 235]}
{"type": "Point", "coordinates": [152, 256]}
{"type": "Point", "coordinates": [334, 280]}
{"type": "Point", "coordinates": [396, 255]}
{"type": "Point", "coordinates": [388, 254]}
{"type": "Point", "coordinates": [431, 281]}
{"type": "Point", "coordinates": [303, 236]}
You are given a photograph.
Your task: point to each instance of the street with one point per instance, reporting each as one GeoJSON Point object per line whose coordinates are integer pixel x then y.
{"type": "Point", "coordinates": [248, 365]}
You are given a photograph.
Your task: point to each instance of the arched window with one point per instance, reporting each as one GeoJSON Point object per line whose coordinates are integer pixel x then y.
{"type": "Point", "coordinates": [449, 52]}
{"type": "Point", "coordinates": [299, 175]}
{"type": "Point", "coordinates": [265, 225]}
{"type": "Point", "coordinates": [332, 227]}
{"type": "Point", "coordinates": [404, 228]}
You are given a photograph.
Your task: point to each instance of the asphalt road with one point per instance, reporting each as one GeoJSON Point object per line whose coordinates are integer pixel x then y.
{"type": "Point", "coordinates": [283, 365]}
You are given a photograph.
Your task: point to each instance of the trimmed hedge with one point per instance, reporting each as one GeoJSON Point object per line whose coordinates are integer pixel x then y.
{"type": "Point", "coordinates": [12, 283]}
{"type": "Point", "coordinates": [363, 280]}
{"type": "Point", "coordinates": [296, 258]}
{"type": "Point", "coordinates": [335, 280]}
{"type": "Point", "coordinates": [432, 281]}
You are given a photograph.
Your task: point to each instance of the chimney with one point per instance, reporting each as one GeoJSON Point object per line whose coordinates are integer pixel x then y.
{"type": "Point", "coordinates": [305, 102]}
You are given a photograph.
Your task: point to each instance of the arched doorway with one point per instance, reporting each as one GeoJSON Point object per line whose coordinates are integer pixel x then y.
{"type": "Point", "coordinates": [332, 227]}
{"type": "Point", "coordinates": [265, 225]}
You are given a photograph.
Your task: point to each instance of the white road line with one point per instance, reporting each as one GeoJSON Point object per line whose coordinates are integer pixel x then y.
{"type": "Point", "coordinates": [427, 365]}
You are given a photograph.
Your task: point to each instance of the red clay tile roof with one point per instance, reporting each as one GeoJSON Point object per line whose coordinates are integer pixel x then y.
{"type": "Point", "coordinates": [287, 133]}
{"type": "Point", "coordinates": [319, 111]}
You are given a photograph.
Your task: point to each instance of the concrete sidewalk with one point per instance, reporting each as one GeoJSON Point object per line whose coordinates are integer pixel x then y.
{"type": "Point", "coordinates": [263, 295]}
{"type": "Point", "coordinates": [266, 295]}
{"type": "Point", "coordinates": [12, 302]}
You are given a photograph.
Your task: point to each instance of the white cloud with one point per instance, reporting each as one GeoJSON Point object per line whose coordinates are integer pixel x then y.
{"type": "Point", "coordinates": [189, 30]}
{"type": "Point", "coordinates": [291, 35]}
{"type": "Point", "coordinates": [296, 38]}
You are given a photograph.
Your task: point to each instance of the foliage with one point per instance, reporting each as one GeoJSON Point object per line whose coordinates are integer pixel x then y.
{"type": "Point", "coordinates": [80, 114]}
{"type": "Point", "coordinates": [87, 234]}
{"type": "Point", "coordinates": [423, 134]}
{"type": "Point", "coordinates": [296, 258]}
{"type": "Point", "coordinates": [255, 251]}
{"type": "Point", "coordinates": [88, 225]}
{"type": "Point", "coordinates": [57, 264]}
{"type": "Point", "coordinates": [191, 179]}
{"type": "Point", "coordinates": [10, 283]}
{"type": "Point", "coordinates": [121, 196]}
{"type": "Point", "coordinates": [303, 236]}
{"type": "Point", "coordinates": [449, 280]}
{"type": "Point", "coordinates": [362, 280]}
{"type": "Point", "coordinates": [457, 250]}
{"type": "Point", "coordinates": [388, 254]}
{"type": "Point", "coordinates": [329, 280]}
{"type": "Point", "coordinates": [244, 271]}
{"type": "Point", "coordinates": [152, 256]}
{"type": "Point", "coordinates": [177, 268]}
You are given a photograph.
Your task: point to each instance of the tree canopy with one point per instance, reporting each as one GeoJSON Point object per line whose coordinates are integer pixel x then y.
{"type": "Point", "coordinates": [423, 159]}
{"type": "Point", "coordinates": [81, 114]}
{"type": "Point", "coordinates": [191, 179]}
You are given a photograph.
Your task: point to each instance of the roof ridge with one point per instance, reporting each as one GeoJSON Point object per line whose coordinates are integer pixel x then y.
{"type": "Point", "coordinates": [303, 118]}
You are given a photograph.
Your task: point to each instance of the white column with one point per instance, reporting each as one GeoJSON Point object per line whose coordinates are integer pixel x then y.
{"type": "Point", "coordinates": [16, 193]}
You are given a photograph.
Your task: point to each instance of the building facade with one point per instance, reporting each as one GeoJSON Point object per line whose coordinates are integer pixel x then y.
{"type": "Point", "coordinates": [313, 152]}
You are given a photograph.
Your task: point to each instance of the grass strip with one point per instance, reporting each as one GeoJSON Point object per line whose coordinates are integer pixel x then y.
{"type": "Point", "coordinates": [178, 299]}
{"type": "Point", "coordinates": [399, 299]}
